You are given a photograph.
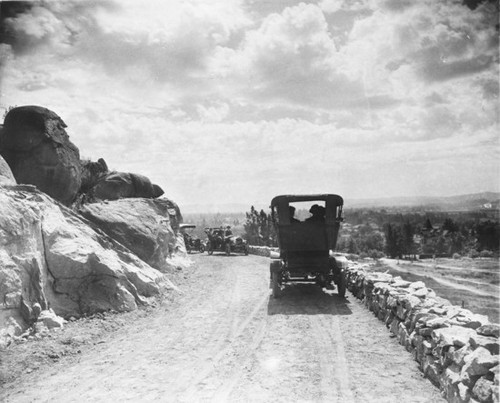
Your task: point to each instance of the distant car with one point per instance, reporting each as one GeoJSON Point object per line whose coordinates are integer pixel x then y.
{"type": "Point", "coordinates": [192, 242]}
{"type": "Point", "coordinates": [306, 247]}
{"type": "Point", "coordinates": [222, 240]}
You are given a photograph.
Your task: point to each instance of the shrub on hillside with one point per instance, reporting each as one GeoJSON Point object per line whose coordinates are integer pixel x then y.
{"type": "Point", "coordinates": [486, 253]}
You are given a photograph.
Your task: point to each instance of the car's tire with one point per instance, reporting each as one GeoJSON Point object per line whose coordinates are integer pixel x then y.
{"type": "Point", "coordinates": [342, 286]}
{"type": "Point", "coordinates": [228, 249]}
{"type": "Point", "coordinates": [275, 285]}
{"type": "Point", "coordinates": [202, 249]}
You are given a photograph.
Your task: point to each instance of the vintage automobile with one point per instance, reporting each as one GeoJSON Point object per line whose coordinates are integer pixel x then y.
{"type": "Point", "coordinates": [306, 248]}
{"type": "Point", "coordinates": [192, 242]}
{"type": "Point", "coordinates": [223, 240]}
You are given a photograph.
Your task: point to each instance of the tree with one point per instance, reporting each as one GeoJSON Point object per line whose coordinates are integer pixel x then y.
{"type": "Point", "coordinates": [408, 244]}
{"type": "Point", "coordinates": [393, 241]}
{"type": "Point", "coordinates": [352, 247]}
{"type": "Point", "coordinates": [450, 225]}
{"type": "Point", "coordinates": [259, 228]}
{"type": "Point", "coordinates": [251, 227]}
{"type": "Point", "coordinates": [488, 236]}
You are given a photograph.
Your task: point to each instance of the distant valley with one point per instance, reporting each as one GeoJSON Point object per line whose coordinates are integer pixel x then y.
{"type": "Point", "coordinates": [466, 202]}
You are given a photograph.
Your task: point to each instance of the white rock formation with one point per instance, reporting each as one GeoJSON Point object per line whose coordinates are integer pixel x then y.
{"type": "Point", "coordinates": [50, 258]}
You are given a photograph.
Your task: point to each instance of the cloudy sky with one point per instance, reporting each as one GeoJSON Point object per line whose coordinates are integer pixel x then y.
{"type": "Point", "coordinates": [236, 101]}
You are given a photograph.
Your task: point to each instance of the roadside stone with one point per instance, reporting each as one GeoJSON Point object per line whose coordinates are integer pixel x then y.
{"type": "Point", "coordinates": [417, 285]}
{"type": "Point", "coordinates": [467, 319]}
{"type": "Point", "coordinates": [399, 282]}
{"type": "Point", "coordinates": [489, 343]}
{"type": "Point", "coordinates": [394, 326]}
{"type": "Point", "coordinates": [438, 323]}
{"type": "Point", "coordinates": [391, 301]}
{"type": "Point", "coordinates": [50, 319]}
{"type": "Point", "coordinates": [11, 329]}
{"type": "Point", "coordinates": [438, 311]}
{"type": "Point", "coordinates": [452, 374]}
{"type": "Point", "coordinates": [463, 392]}
{"type": "Point", "coordinates": [421, 292]}
{"type": "Point", "coordinates": [479, 362]}
{"type": "Point", "coordinates": [490, 329]}
{"type": "Point", "coordinates": [431, 369]}
{"type": "Point", "coordinates": [483, 390]}
{"type": "Point", "coordinates": [427, 347]}
{"type": "Point", "coordinates": [458, 356]}
{"type": "Point", "coordinates": [445, 357]}
{"type": "Point", "coordinates": [452, 336]}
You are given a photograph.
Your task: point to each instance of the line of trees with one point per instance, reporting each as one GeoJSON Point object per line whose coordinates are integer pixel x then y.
{"type": "Point", "coordinates": [259, 229]}
{"type": "Point", "coordinates": [380, 233]}
{"type": "Point", "coordinates": [410, 239]}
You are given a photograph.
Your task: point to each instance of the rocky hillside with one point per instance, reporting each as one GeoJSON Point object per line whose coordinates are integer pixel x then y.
{"type": "Point", "coordinates": [75, 238]}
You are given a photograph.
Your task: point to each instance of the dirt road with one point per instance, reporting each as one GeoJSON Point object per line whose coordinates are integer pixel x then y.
{"type": "Point", "coordinates": [225, 340]}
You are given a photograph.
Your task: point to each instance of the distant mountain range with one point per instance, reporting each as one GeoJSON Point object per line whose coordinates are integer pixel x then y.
{"type": "Point", "coordinates": [460, 202]}
{"type": "Point", "coordinates": [475, 201]}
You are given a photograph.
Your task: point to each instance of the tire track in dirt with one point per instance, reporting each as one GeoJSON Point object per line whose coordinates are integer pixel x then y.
{"type": "Point", "coordinates": [240, 362]}
{"type": "Point", "coordinates": [333, 363]}
{"type": "Point", "coordinates": [223, 318]}
{"type": "Point", "coordinates": [209, 366]}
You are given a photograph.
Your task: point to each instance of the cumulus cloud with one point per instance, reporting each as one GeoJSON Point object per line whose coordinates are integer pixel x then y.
{"type": "Point", "coordinates": [272, 91]}
{"type": "Point", "coordinates": [292, 58]}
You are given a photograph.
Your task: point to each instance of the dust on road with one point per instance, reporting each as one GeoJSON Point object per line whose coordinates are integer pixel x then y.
{"type": "Point", "coordinates": [226, 340]}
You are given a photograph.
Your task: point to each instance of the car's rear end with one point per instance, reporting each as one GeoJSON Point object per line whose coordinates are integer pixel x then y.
{"type": "Point", "coordinates": [305, 247]}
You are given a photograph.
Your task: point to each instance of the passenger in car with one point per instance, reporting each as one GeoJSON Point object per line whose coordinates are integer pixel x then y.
{"type": "Point", "coordinates": [292, 214]}
{"type": "Point", "coordinates": [318, 214]}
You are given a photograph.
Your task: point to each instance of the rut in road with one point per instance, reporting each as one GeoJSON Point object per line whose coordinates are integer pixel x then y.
{"type": "Point", "coordinates": [225, 339]}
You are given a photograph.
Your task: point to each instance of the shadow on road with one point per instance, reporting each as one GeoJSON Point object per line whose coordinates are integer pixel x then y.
{"type": "Point", "coordinates": [308, 299]}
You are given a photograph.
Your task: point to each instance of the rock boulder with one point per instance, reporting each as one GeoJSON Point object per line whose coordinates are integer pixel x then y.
{"type": "Point", "coordinates": [6, 177]}
{"type": "Point", "coordinates": [37, 148]}
{"type": "Point", "coordinates": [118, 185]}
{"type": "Point", "coordinates": [148, 227]}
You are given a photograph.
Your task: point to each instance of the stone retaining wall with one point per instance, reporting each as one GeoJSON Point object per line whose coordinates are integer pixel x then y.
{"type": "Point", "coordinates": [260, 250]}
{"type": "Point", "coordinates": [457, 350]}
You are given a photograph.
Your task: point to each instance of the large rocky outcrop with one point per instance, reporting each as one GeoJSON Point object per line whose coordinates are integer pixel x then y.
{"type": "Point", "coordinates": [6, 177]}
{"type": "Point", "coordinates": [37, 148]}
{"type": "Point", "coordinates": [148, 227]}
{"type": "Point", "coordinates": [51, 258]}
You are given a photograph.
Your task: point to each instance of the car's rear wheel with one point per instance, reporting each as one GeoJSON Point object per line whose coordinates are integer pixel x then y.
{"type": "Point", "coordinates": [202, 249]}
{"type": "Point", "coordinates": [342, 286]}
